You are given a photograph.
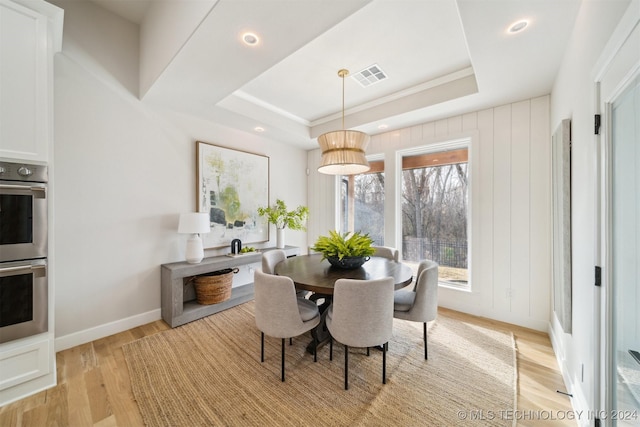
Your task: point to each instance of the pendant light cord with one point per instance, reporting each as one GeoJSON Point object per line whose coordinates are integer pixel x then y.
{"type": "Point", "coordinates": [343, 73]}
{"type": "Point", "coordinates": [343, 102]}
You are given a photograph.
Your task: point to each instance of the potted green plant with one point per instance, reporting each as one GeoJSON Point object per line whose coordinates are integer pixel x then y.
{"type": "Point", "coordinates": [282, 218]}
{"type": "Point", "coordinates": [345, 250]}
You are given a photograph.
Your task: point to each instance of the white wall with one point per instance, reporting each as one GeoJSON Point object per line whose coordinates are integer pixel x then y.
{"type": "Point", "coordinates": [166, 27]}
{"type": "Point", "coordinates": [511, 211]}
{"type": "Point", "coordinates": [124, 172]}
{"type": "Point", "coordinates": [573, 97]}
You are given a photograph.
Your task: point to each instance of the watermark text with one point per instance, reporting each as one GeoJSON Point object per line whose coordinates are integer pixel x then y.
{"type": "Point", "coordinates": [545, 415]}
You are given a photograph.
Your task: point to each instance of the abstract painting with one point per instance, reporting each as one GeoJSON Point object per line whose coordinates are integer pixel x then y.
{"type": "Point", "coordinates": [231, 185]}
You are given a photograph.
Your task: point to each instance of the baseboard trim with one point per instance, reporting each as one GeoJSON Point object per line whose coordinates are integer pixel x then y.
{"type": "Point", "coordinates": [582, 413]}
{"type": "Point", "coordinates": [511, 318]}
{"type": "Point", "coordinates": [101, 331]}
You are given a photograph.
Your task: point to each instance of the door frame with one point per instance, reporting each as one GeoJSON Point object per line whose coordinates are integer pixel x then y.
{"type": "Point", "coordinates": [609, 68]}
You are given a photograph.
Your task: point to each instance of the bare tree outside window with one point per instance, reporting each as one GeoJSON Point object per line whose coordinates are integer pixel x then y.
{"type": "Point", "coordinates": [369, 208]}
{"type": "Point", "coordinates": [362, 202]}
{"type": "Point", "coordinates": [434, 215]}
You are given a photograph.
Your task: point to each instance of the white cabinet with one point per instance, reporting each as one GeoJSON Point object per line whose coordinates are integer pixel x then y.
{"type": "Point", "coordinates": [30, 33]}
{"type": "Point", "coordinates": [27, 366]}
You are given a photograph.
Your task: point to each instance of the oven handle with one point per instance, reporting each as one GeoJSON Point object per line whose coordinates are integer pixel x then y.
{"type": "Point", "coordinates": [34, 268]}
{"type": "Point", "coordinates": [21, 187]}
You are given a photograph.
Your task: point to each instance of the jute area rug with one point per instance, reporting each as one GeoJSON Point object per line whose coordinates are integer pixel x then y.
{"type": "Point", "coordinates": [208, 373]}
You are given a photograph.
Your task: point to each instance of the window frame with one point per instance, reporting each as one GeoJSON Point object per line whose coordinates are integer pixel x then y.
{"type": "Point", "coordinates": [449, 145]}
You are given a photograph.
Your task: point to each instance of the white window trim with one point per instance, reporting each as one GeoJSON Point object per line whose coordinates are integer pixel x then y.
{"type": "Point", "coordinates": [448, 145]}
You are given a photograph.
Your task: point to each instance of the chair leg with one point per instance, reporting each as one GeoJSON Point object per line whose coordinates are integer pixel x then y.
{"type": "Point", "coordinates": [290, 341]}
{"type": "Point", "coordinates": [384, 363]}
{"type": "Point", "coordinates": [261, 346]}
{"type": "Point", "coordinates": [346, 367]}
{"type": "Point", "coordinates": [283, 359]}
{"type": "Point", "coordinates": [424, 327]}
{"type": "Point", "coordinates": [367, 351]}
{"type": "Point", "coordinates": [330, 348]}
{"type": "Point", "coordinates": [315, 349]}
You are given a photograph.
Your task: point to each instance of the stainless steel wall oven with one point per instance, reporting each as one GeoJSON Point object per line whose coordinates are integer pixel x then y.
{"type": "Point", "coordinates": [23, 250]}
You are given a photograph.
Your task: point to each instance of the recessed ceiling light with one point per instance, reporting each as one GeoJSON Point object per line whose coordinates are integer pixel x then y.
{"type": "Point", "coordinates": [382, 126]}
{"type": "Point", "coordinates": [250, 39]}
{"type": "Point", "coordinates": [518, 26]}
{"type": "Point", "coordinates": [258, 129]}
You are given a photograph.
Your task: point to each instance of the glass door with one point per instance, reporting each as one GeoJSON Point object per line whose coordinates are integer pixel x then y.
{"type": "Point", "coordinates": [624, 359]}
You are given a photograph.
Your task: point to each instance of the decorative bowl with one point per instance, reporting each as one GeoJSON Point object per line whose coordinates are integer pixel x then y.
{"type": "Point", "coordinates": [348, 262]}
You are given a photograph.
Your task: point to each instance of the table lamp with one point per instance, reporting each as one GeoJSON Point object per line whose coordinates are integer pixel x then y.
{"type": "Point", "coordinates": [194, 223]}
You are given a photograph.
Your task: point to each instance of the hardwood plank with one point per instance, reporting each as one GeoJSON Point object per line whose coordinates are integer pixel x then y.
{"type": "Point", "coordinates": [9, 414]}
{"type": "Point", "coordinates": [99, 401]}
{"type": "Point", "coordinates": [54, 410]}
{"type": "Point", "coordinates": [75, 363]}
{"type": "Point", "coordinates": [118, 386]}
{"type": "Point", "coordinates": [57, 406]}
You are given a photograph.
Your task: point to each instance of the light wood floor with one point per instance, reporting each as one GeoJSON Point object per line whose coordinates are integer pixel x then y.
{"type": "Point", "coordinates": [94, 390]}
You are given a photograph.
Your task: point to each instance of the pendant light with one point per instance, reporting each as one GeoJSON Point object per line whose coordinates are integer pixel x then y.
{"type": "Point", "coordinates": [343, 150]}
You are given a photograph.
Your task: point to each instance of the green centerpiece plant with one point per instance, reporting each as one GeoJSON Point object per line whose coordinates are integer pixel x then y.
{"type": "Point", "coordinates": [345, 250]}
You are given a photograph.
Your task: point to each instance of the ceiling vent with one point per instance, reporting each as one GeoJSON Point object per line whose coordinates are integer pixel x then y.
{"type": "Point", "coordinates": [369, 75]}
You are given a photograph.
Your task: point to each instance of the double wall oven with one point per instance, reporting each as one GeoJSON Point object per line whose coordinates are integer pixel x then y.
{"type": "Point", "coordinates": [23, 250]}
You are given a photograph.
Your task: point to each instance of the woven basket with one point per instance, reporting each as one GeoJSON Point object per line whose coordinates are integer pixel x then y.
{"type": "Point", "coordinates": [215, 287]}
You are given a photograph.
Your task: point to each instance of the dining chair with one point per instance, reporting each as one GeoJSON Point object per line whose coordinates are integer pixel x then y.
{"type": "Point", "coordinates": [386, 252]}
{"type": "Point", "coordinates": [361, 315]}
{"type": "Point", "coordinates": [421, 303]}
{"type": "Point", "coordinates": [270, 259]}
{"type": "Point", "coordinates": [279, 313]}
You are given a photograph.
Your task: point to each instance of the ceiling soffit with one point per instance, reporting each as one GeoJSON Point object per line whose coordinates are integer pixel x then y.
{"type": "Point", "coordinates": [441, 57]}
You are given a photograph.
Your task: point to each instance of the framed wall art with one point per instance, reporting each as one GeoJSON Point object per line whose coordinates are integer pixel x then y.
{"type": "Point", "coordinates": [561, 206]}
{"type": "Point", "coordinates": [230, 186]}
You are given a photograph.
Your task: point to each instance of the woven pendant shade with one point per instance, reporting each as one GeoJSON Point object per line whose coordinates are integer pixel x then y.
{"type": "Point", "coordinates": [343, 150]}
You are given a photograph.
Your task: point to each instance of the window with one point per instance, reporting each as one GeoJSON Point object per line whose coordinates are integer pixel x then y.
{"type": "Point", "coordinates": [362, 202]}
{"type": "Point", "coordinates": [435, 212]}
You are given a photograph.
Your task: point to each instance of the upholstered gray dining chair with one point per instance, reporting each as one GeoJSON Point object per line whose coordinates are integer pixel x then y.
{"type": "Point", "coordinates": [279, 313]}
{"type": "Point", "coordinates": [421, 303]}
{"type": "Point", "coordinates": [386, 252]}
{"type": "Point", "coordinates": [270, 259]}
{"type": "Point", "coordinates": [361, 315]}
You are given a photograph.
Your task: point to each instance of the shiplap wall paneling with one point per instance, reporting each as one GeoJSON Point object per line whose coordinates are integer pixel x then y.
{"type": "Point", "coordinates": [502, 208]}
{"type": "Point", "coordinates": [540, 207]}
{"type": "Point", "coordinates": [469, 122]}
{"type": "Point", "coordinates": [520, 213]}
{"type": "Point", "coordinates": [510, 208]}
{"type": "Point", "coordinates": [321, 200]}
{"type": "Point", "coordinates": [416, 137]}
{"type": "Point", "coordinates": [485, 234]}
{"type": "Point", "coordinates": [454, 125]}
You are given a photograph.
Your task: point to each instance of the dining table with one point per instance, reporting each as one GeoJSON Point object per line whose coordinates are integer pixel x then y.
{"type": "Point", "coordinates": [314, 273]}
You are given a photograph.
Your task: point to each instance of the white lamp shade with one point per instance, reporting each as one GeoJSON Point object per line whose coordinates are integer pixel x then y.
{"type": "Point", "coordinates": [194, 222]}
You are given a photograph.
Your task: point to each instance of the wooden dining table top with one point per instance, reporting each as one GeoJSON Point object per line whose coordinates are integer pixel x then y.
{"type": "Point", "coordinates": [312, 273]}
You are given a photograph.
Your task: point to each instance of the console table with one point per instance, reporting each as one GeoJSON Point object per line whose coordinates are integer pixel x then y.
{"type": "Point", "coordinates": [178, 302]}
